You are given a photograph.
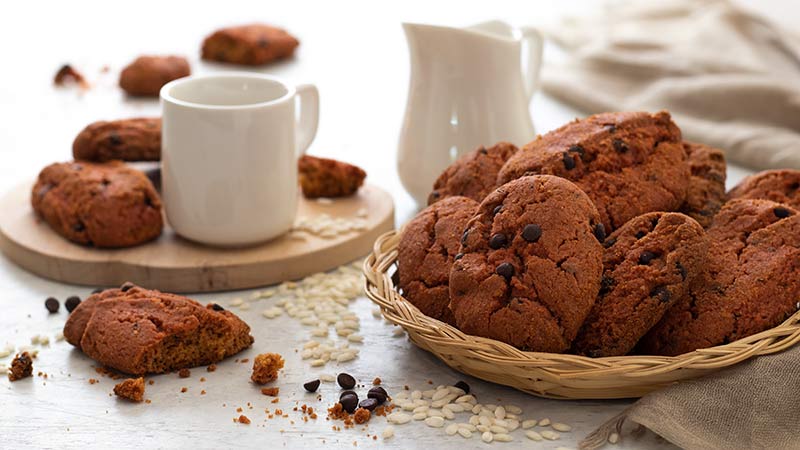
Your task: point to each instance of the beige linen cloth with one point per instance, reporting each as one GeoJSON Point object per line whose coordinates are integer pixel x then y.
{"type": "Point", "coordinates": [730, 78]}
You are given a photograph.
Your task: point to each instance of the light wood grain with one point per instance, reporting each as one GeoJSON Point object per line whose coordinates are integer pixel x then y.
{"type": "Point", "coordinates": [171, 263]}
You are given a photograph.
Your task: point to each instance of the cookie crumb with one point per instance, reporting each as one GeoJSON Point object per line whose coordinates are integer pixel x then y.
{"type": "Point", "coordinates": [131, 389]}
{"type": "Point", "coordinates": [244, 419]}
{"type": "Point", "coordinates": [362, 415]}
{"type": "Point", "coordinates": [184, 373]}
{"type": "Point", "coordinates": [265, 367]}
{"type": "Point", "coordinates": [21, 367]}
{"type": "Point", "coordinates": [93, 381]}
{"type": "Point", "coordinates": [67, 75]}
{"type": "Point", "coordinates": [211, 368]}
{"type": "Point", "coordinates": [376, 381]}
{"type": "Point", "coordinates": [184, 389]}
{"type": "Point", "coordinates": [272, 392]}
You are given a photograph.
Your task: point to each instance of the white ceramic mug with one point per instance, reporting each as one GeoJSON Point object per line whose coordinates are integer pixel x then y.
{"type": "Point", "coordinates": [229, 150]}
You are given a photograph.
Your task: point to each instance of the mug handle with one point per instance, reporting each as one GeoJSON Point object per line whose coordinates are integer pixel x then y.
{"type": "Point", "coordinates": [308, 119]}
{"type": "Point", "coordinates": [535, 41]}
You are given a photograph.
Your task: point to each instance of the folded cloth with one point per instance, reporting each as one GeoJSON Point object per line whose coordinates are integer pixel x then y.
{"type": "Point", "coordinates": [730, 78]}
{"type": "Point", "coordinates": [752, 405]}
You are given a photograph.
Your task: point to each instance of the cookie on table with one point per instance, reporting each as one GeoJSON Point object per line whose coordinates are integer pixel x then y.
{"type": "Point", "coordinates": [139, 331]}
{"type": "Point", "coordinates": [251, 45]}
{"type": "Point", "coordinates": [629, 163]}
{"type": "Point", "coordinates": [706, 193]}
{"type": "Point", "coordinates": [147, 74]}
{"type": "Point", "coordinates": [137, 139]}
{"type": "Point", "coordinates": [782, 186]}
{"type": "Point", "coordinates": [751, 281]}
{"type": "Point", "coordinates": [98, 204]}
{"type": "Point", "coordinates": [428, 246]}
{"type": "Point", "coordinates": [474, 174]}
{"type": "Point", "coordinates": [322, 177]}
{"type": "Point", "coordinates": [531, 265]}
{"type": "Point", "coordinates": [648, 265]}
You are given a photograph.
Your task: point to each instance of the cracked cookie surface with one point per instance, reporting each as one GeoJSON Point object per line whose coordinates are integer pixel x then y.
{"type": "Point", "coordinates": [98, 204]}
{"type": "Point", "coordinates": [750, 283]}
{"type": "Point", "coordinates": [706, 191]}
{"type": "Point", "coordinates": [531, 265]}
{"type": "Point", "coordinates": [782, 186]}
{"type": "Point", "coordinates": [648, 265]}
{"type": "Point", "coordinates": [474, 174]}
{"type": "Point", "coordinates": [628, 163]}
{"type": "Point", "coordinates": [427, 249]}
{"type": "Point", "coordinates": [137, 139]}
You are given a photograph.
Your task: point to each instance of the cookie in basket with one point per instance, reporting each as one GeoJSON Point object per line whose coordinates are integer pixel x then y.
{"type": "Point", "coordinates": [706, 193]}
{"type": "Point", "coordinates": [751, 281]}
{"type": "Point", "coordinates": [137, 139]}
{"type": "Point", "coordinates": [648, 265]}
{"type": "Point", "coordinates": [474, 174]}
{"type": "Point", "coordinates": [531, 265]}
{"type": "Point", "coordinates": [628, 163]}
{"type": "Point", "coordinates": [427, 249]}
{"type": "Point", "coordinates": [138, 331]}
{"type": "Point", "coordinates": [147, 74]}
{"type": "Point", "coordinates": [782, 186]}
{"type": "Point", "coordinates": [98, 204]}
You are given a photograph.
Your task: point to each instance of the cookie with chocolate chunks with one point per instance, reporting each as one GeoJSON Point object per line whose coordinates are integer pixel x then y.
{"type": "Point", "coordinates": [137, 139]}
{"type": "Point", "coordinates": [782, 186]}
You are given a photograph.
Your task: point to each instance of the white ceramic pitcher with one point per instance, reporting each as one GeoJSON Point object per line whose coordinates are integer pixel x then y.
{"type": "Point", "coordinates": [469, 87]}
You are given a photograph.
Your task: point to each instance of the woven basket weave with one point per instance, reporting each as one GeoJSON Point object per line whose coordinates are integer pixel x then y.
{"type": "Point", "coordinates": [554, 375]}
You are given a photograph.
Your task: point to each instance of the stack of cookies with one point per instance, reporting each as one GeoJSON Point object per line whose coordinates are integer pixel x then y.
{"type": "Point", "coordinates": [608, 236]}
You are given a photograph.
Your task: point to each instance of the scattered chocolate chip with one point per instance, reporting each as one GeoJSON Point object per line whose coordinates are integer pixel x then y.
{"type": "Point", "coordinates": [600, 232]}
{"type": "Point", "coordinates": [126, 286]}
{"type": "Point", "coordinates": [662, 293]}
{"type": "Point", "coordinates": [348, 392]}
{"type": "Point", "coordinates": [619, 145]}
{"type": "Point", "coordinates": [71, 303]}
{"type": "Point", "coordinates": [645, 257]}
{"type": "Point", "coordinates": [217, 307]}
{"type": "Point", "coordinates": [368, 403]}
{"type": "Point", "coordinates": [499, 240]}
{"type": "Point", "coordinates": [505, 270]}
{"type": "Point", "coordinates": [497, 209]}
{"type": "Point", "coordinates": [463, 386]}
{"type": "Point", "coordinates": [114, 139]}
{"type": "Point", "coordinates": [458, 256]}
{"type": "Point", "coordinates": [311, 386]}
{"type": "Point", "coordinates": [640, 234]}
{"type": "Point", "coordinates": [379, 394]}
{"type": "Point", "coordinates": [681, 269]}
{"type": "Point", "coordinates": [349, 403]}
{"type": "Point", "coordinates": [52, 305]}
{"type": "Point", "coordinates": [781, 213]}
{"type": "Point", "coordinates": [464, 237]}
{"type": "Point", "coordinates": [346, 381]}
{"type": "Point", "coordinates": [569, 163]}
{"type": "Point", "coordinates": [531, 232]}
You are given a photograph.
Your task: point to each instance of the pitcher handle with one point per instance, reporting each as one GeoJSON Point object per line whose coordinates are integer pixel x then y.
{"type": "Point", "coordinates": [535, 41]}
{"type": "Point", "coordinates": [308, 120]}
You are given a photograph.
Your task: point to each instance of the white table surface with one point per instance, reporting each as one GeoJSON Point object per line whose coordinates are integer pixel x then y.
{"type": "Point", "coordinates": [355, 53]}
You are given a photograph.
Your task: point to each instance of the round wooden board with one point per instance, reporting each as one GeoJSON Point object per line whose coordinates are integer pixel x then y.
{"type": "Point", "coordinates": [171, 263]}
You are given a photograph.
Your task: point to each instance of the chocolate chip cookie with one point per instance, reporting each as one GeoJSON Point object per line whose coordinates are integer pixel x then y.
{"type": "Point", "coordinates": [251, 45]}
{"type": "Point", "coordinates": [530, 265]}
{"type": "Point", "coordinates": [323, 177]}
{"type": "Point", "coordinates": [427, 249]}
{"type": "Point", "coordinates": [751, 280]}
{"type": "Point", "coordinates": [782, 186]}
{"type": "Point", "coordinates": [147, 74]}
{"type": "Point", "coordinates": [628, 163]}
{"type": "Point", "coordinates": [474, 174]}
{"type": "Point", "coordinates": [706, 193]}
{"type": "Point", "coordinates": [137, 139]}
{"type": "Point", "coordinates": [98, 204]}
{"type": "Point", "coordinates": [138, 331]}
{"type": "Point", "coordinates": [648, 265]}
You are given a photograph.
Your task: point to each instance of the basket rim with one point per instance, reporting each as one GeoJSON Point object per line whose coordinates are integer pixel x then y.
{"type": "Point", "coordinates": [384, 256]}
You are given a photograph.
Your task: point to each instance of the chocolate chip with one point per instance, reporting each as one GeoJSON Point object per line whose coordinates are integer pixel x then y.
{"type": "Point", "coordinates": [349, 403]}
{"type": "Point", "coordinates": [435, 195]}
{"type": "Point", "coordinates": [611, 128]}
{"type": "Point", "coordinates": [52, 305]}
{"type": "Point", "coordinates": [71, 303]}
{"type": "Point", "coordinates": [148, 201]}
{"type": "Point", "coordinates": [311, 386]}
{"type": "Point", "coordinates": [369, 404]}
{"type": "Point", "coordinates": [620, 145]}
{"type": "Point", "coordinates": [463, 386]}
{"type": "Point", "coordinates": [569, 163]}
{"type": "Point", "coordinates": [600, 232]}
{"type": "Point", "coordinates": [681, 269]}
{"type": "Point", "coordinates": [79, 227]}
{"type": "Point", "coordinates": [606, 284]}
{"type": "Point", "coordinates": [464, 237]}
{"type": "Point", "coordinates": [114, 139]}
{"type": "Point", "coordinates": [499, 240]}
{"type": "Point", "coordinates": [609, 243]}
{"type": "Point", "coordinates": [497, 209]}
{"type": "Point", "coordinates": [640, 234]}
{"type": "Point", "coordinates": [458, 256]}
{"type": "Point", "coordinates": [263, 43]}
{"type": "Point", "coordinates": [98, 290]}
{"type": "Point", "coordinates": [781, 213]}
{"type": "Point", "coordinates": [346, 381]}
{"type": "Point", "coordinates": [645, 257]}
{"type": "Point", "coordinates": [531, 232]}
{"type": "Point", "coordinates": [217, 307]}
{"type": "Point", "coordinates": [662, 293]}
{"type": "Point", "coordinates": [505, 270]}
{"type": "Point", "coordinates": [483, 151]}
{"type": "Point", "coordinates": [379, 394]}
{"type": "Point", "coordinates": [577, 149]}
{"type": "Point", "coordinates": [126, 286]}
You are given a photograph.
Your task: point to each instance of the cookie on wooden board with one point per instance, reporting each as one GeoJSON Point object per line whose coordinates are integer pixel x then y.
{"type": "Point", "coordinates": [474, 174]}
{"type": "Point", "coordinates": [323, 177]}
{"type": "Point", "coordinates": [628, 163]}
{"type": "Point", "coordinates": [251, 45]}
{"type": "Point", "coordinates": [428, 246]}
{"type": "Point", "coordinates": [531, 265]}
{"type": "Point", "coordinates": [146, 75]}
{"type": "Point", "coordinates": [137, 139]}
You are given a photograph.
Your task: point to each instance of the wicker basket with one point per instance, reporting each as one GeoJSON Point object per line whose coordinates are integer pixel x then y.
{"type": "Point", "coordinates": [554, 375]}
